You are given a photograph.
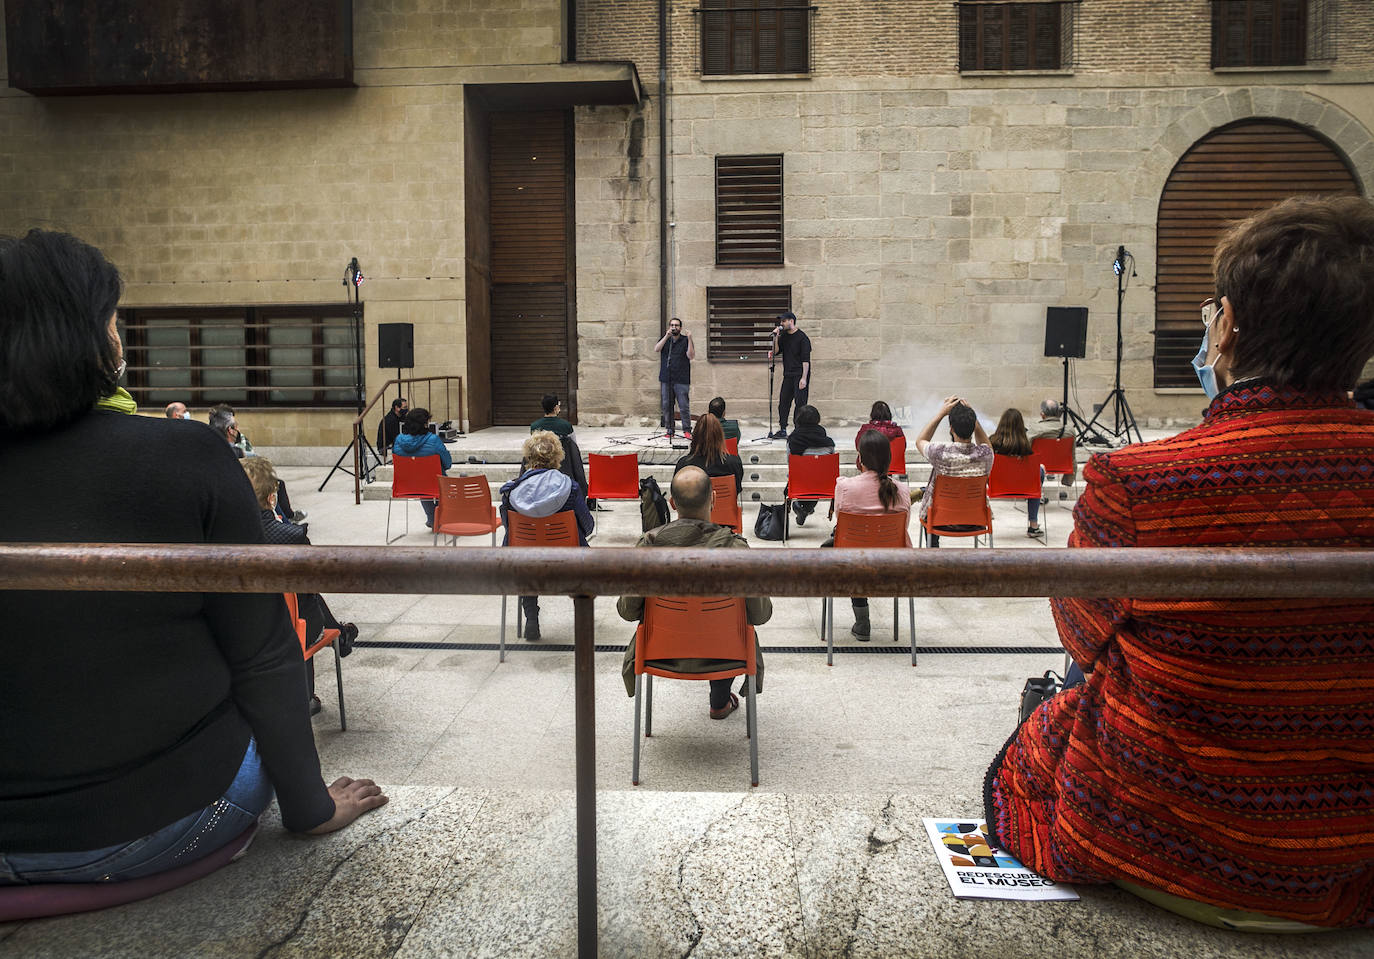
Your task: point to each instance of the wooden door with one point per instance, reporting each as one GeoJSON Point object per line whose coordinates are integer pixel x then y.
{"type": "Point", "coordinates": [533, 321]}
{"type": "Point", "coordinates": [1226, 176]}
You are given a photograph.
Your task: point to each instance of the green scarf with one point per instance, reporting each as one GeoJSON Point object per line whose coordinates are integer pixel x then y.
{"type": "Point", "coordinates": [118, 402]}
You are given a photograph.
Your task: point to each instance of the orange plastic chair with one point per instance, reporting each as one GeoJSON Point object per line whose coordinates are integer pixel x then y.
{"type": "Point", "coordinates": [1056, 454]}
{"type": "Point", "coordinates": [898, 465]}
{"type": "Point", "coordinates": [612, 476]}
{"type": "Point", "coordinates": [809, 477]}
{"type": "Point", "coordinates": [870, 531]}
{"type": "Point", "coordinates": [1018, 478]}
{"type": "Point", "coordinates": [958, 501]}
{"type": "Point", "coordinates": [560, 529]}
{"type": "Point", "coordinates": [327, 638]}
{"type": "Point", "coordinates": [727, 511]}
{"type": "Point", "coordinates": [413, 477]}
{"type": "Point", "coordinates": [695, 627]}
{"type": "Point", "coordinates": [465, 508]}
{"type": "Point", "coordinates": [732, 445]}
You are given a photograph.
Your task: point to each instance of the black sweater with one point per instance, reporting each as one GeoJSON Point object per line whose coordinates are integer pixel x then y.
{"type": "Point", "coordinates": [121, 712]}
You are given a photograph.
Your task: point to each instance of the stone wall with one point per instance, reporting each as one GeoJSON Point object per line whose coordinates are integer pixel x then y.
{"type": "Point", "coordinates": [262, 197]}
{"type": "Point", "coordinates": [929, 217]}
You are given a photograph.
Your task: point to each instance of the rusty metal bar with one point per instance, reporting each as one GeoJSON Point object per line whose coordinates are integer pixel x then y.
{"type": "Point", "coordinates": [1182, 573]}
{"type": "Point", "coordinates": [584, 711]}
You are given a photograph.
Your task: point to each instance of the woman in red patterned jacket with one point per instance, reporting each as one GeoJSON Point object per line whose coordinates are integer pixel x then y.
{"type": "Point", "coordinates": [1222, 752]}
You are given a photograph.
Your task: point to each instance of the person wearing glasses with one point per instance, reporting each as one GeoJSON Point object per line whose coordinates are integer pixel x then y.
{"type": "Point", "coordinates": [1215, 755]}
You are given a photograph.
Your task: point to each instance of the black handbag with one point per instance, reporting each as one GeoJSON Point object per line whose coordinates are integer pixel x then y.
{"type": "Point", "coordinates": [1036, 691]}
{"type": "Point", "coordinates": [768, 525]}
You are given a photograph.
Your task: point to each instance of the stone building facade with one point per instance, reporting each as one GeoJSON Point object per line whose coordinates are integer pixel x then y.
{"type": "Point", "coordinates": [930, 215]}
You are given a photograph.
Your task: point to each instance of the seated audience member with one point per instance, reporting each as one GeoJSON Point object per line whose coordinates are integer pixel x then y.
{"type": "Point", "coordinates": [1010, 439]}
{"type": "Point", "coordinates": [708, 452]}
{"type": "Point", "coordinates": [390, 426]}
{"type": "Point", "coordinates": [1053, 426]}
{"type": "Point", "coordinates": [1218, 753]}
{"type": "Point", "coordinates": [807, 436]}
{"type": "Point", "coordinates": [187, 710]}
{"type": "Point", "coordinates": [226, 425]}
{"type": "Point", "coordinates": [872, 491]}
{"type": "Point", "coordinates": [717, 409]}
{"type": "Point", "coordinates": [692, 497]}
{"type": "Point", "coordinates": [542, 490]}
{"type": "Point", "coordinates": [415, 439]}
{"type": "Point", "coordinates": [312, 607]}
{"type": "Point", "coordinates": [879, 419]}
{"type": "Point", "coordinates": [968, 453]}
{"type": "Point", "coordinates": [551, 420]}
{"type": "Point", "coordinates": [177, 411]}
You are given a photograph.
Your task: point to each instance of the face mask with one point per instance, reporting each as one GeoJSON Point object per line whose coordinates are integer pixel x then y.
{"type": "Point", "coordinates": [186, 415]}
{"type": "Point", "coordinates": [1205, 374]}
{"type": "Point", "coordinates": [119, 370]}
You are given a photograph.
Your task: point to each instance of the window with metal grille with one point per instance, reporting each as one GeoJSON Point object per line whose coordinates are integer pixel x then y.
{"type": "Point", "coordinates": [749, 210]}
{"type": "Point", "coordinates": [1263, 33]}
{"type": "Point", "coordinates": [740, 320]}
{"type": "Point", "coordinates": [755, 36]}
{"type": "Point", "coordinates": [252, 356]}
{"type": "Point", "coordinates": [1015, 36]}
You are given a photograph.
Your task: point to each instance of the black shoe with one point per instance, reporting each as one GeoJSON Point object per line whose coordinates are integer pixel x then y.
{"type": "Point", "coordinates": [532, 634]}
{"type": "Point", "coordinates": [315, 705]}
{"type": "Point", "coordinates": [798, 513]}
{"type": "Point", "coordinates": [347, 634]}
{"type": "Point", "coordinates": [778, 435]}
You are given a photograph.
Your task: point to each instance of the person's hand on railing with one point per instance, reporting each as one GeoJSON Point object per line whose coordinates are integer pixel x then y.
{"type": "Point", "coordinates": [352, 798]}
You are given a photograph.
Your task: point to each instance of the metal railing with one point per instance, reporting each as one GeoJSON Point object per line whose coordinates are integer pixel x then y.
{"type": "Point", "coordinates": [360, 441]}
{"type": "Point", "coordinates": [585, 574]}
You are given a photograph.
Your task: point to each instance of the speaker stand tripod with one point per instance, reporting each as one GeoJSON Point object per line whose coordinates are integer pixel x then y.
{"type": "Point", "coordinates": [1066, 413]}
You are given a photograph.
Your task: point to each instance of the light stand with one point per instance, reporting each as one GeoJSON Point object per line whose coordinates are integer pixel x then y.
{"type": "Point", "coordinates": [1123, 421]}
{"type": "Point", "coordinates": [353, 277]}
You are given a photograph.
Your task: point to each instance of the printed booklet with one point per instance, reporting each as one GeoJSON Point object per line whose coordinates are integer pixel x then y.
{"type": "Point", "coordinates": [976, 869]}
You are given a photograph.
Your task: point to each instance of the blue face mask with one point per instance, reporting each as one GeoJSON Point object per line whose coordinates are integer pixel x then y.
{"type": "Point", "coordinates": [1205, 374]}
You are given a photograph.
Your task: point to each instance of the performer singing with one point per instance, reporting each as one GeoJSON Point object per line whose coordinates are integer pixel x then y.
{"type": "Point", "coordinates": [675, 353]}
{"type": "Point", "coordinates": [795, 348]}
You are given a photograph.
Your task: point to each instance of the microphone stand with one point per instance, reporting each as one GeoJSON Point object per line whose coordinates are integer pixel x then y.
{"type": "Point", "coordinates": [1122, 418]}
{"type": "Point", "coordinates": [772, 365]}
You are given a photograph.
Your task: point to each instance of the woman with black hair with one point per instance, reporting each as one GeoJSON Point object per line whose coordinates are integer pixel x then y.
{"type": "Point", "coordinates": [143, 730]}
{"type": "Point", "coordinates": [879, 419]}
{"type": "Point", "coordinates": [807, 436]}
{"type": "Point", "coordinates": [417, 440]}
{"type": "Point", "coordinates": [872, 491]}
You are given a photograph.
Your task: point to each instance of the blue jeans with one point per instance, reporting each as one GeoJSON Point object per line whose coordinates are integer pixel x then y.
{"type": "Point", "coordinates": [667, 393]}
{"type": "Point", "coordinates": [186, 840]}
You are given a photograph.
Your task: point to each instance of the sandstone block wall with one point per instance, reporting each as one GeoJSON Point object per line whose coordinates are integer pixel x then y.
{"type": "Point", "coordinates": [930, 217]}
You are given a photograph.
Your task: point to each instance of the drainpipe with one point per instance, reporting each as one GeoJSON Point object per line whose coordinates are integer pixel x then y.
{"type": "Point", "coordinates": [662, 166]}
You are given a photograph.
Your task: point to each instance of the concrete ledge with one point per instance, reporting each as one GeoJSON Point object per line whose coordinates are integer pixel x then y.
{"type": "Point", "coordinates": [457, 872]}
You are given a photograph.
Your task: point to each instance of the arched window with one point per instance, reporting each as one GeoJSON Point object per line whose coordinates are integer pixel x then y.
{"type": "Point", "coordinates": [1231, 173]}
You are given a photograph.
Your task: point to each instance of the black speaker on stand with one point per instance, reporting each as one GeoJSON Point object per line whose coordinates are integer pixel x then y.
{"type": "Point", "coordinates": [1066, 336]}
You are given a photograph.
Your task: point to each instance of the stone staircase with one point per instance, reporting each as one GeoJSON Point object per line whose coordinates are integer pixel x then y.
{"type": "Point", "coordinates": [765, 467]}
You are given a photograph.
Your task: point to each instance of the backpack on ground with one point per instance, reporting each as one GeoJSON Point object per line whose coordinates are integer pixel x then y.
{"type": "Point", "coordinates": [653, 507]}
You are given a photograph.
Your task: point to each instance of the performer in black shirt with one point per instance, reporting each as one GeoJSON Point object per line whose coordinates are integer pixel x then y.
{"type": "Point", "coordinates": [795, 348]}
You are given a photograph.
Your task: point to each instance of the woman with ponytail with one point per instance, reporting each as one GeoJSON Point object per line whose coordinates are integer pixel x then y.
{"type": "Point", "coordinates": [872, 491]}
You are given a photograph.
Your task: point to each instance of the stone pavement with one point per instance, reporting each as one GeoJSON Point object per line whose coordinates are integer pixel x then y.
{"type": "Point", "coordinates": [474, 854]}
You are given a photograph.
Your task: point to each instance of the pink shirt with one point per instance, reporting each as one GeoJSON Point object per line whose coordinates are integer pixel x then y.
{"type": "Point", "coordinates": [859, 494]}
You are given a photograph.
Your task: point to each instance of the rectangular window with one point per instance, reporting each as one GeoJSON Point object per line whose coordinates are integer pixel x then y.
{"type": "Point", "coordinates": [740, 320]}
{"type": "Point", "coordinates": [749, 210]}
{"type": "Point", "coordinates": [252, 356]}
{"type": "Point", "coordinates": [1259, 33]}
{"type": "Point", "coordinates": [1014, 36]}
{"type": "Point", "coordinates": [755, 36]}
